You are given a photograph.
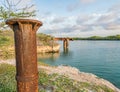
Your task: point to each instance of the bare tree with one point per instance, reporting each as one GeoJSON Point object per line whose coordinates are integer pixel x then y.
{"type": "Point", "coordinates": [16, 9]}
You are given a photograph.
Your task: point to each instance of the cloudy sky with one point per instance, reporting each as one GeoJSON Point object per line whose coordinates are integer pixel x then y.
{"type": "Point", "coordinates": [81, 18]}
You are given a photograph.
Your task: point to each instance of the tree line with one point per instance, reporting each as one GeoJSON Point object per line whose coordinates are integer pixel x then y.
{"type": "Point", "coordinates": [115, 37]}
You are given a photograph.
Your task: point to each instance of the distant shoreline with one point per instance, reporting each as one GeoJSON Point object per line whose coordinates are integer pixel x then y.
{"type": "Point", "coordinates": [95, 40]}
{"type": "Point", "coordinates": [111, 38]}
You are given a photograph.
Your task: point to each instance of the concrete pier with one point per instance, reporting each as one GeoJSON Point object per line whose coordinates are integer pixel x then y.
{"type": "Point", "coordinates": [65, 41]}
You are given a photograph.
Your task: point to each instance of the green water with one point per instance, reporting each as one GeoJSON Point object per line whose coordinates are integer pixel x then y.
{"type": "Point", "coordinates": [98, 57]}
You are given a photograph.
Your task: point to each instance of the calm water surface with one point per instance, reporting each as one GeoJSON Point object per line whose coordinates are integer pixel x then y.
{"type": "Point", "coordinates": [98, 57]}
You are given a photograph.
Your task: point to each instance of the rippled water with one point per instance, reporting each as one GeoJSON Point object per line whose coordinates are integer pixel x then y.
{"type": "Point", "coordinates": [98, 57]}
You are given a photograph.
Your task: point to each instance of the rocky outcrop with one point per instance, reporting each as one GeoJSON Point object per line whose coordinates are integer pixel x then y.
{"type": "Point", "coordinates": [48, 49]}
{"type": "Point", "coordinates": [40, 49]}
{"type": "Point", "coordinates": [75, 74]}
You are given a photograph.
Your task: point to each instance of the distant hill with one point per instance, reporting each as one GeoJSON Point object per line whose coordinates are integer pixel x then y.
{"type": "Point", "coordinates": [115, 37]}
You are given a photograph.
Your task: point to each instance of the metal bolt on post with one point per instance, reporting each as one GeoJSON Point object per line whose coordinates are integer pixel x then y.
{"type": "Point", "coordinates": [26, 53]}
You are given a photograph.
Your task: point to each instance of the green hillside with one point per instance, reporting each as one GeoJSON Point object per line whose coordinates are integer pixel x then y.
{"type": "Point", "coordinates": [115, 37]}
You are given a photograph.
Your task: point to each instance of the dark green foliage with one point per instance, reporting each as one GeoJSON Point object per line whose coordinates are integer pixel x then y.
{"type": "Point", "coordinates": [116, 37]}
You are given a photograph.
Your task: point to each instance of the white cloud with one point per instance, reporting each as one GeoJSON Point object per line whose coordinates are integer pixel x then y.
{"type": "Point", "coordinates": [101, 24]}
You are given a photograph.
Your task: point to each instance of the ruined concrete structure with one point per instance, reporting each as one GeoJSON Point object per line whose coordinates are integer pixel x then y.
{"type": "Point", "coordinates": [65, 41]}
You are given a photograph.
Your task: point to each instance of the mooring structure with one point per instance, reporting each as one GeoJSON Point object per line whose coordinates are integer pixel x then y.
{"type": "Point", "coordinates": [26, 53]}
{"type": "Point", "coordinates": [65, 41]}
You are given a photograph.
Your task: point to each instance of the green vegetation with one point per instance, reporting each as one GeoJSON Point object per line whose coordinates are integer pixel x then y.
{"type": "Point", "coordinates": [54, 82]}
{"type": "Point", "coordinates": [11, 9]}
{"type": "Point", "coordinates": [6, 38]}
{"type": "Point", "coordinates": [7, 43]}
{"type": "Point", "coordinates": [45, 40]}
{"type": "Point", "coordinates": [43, 64]}
{"type": "Point", "coordinates": [7, 78]}
{"type": "Point", "coordinates": [116, 37]}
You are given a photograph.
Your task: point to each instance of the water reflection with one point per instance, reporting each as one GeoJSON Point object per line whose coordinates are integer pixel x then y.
{"type": "Point", "coordinates": [50, 56]}
{"type": "Point", "coordinates": [66, 53]}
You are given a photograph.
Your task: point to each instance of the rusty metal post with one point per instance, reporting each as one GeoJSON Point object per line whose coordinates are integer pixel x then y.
{"type": "Point", "coordinates": [26, 54]}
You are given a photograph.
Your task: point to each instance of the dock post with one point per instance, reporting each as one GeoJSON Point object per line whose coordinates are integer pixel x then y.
{"type": "Point", "coordinates": [26, 53]}
{"type": "Point", "coordinates": [65, 43]}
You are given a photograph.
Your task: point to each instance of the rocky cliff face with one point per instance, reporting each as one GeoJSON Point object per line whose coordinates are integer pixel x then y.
{"type": "Point", "coordinates": [48, 49]}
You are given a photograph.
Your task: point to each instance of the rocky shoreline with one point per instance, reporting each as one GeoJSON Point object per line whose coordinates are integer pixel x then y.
{"type": "Point", "coordinates": [10, 51]}
{"type": "Point", "coordinates": [48, 49]}
{"type": "Point", "coordinates": [77, 75]}
{"type": "Point", "coordinates": [72, 73]}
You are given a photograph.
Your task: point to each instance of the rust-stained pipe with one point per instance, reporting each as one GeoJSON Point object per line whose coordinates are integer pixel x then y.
{"type": "Point", "coordinates": [26, 53]}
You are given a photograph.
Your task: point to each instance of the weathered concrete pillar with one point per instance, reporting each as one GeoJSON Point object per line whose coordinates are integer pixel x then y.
{"type": "Point", "coordinates": [26, 53]}
{"type": "Point", "coordinates": [65, 43]}
{"type": "Point", "coordinates": [66, 51]}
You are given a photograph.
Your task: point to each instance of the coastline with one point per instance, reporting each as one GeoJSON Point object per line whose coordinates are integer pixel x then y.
{"type": "Point", "coordinates": [9, 52]}
{"type": "Point", "coordinates": [48, 49]}
{"type": "Point", "coordinates": [72, 73]}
